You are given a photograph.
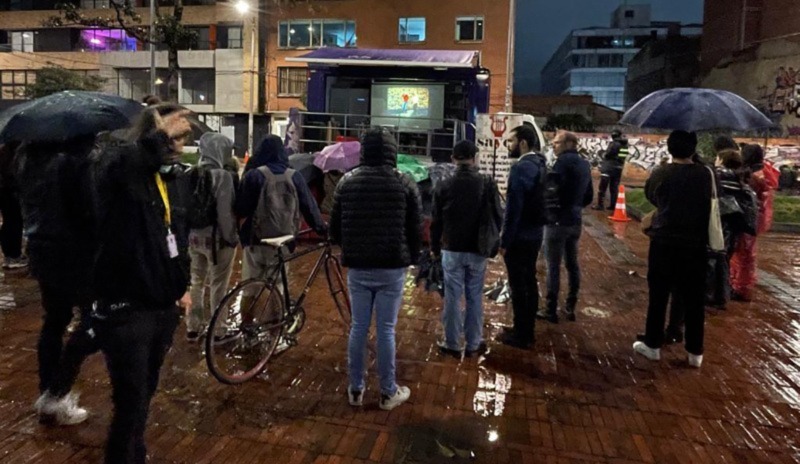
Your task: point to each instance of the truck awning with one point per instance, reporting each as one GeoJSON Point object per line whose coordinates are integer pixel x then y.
{"type": "Point", "coordinates": [390, 57]}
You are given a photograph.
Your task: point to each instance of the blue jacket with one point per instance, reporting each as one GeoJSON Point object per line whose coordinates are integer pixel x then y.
{"type": "Point", "coordinates": [525, 214]}
{"type": "Point", "coordinates": [270, 153]}
{"type": "Point", "coordinates": [573, 176]}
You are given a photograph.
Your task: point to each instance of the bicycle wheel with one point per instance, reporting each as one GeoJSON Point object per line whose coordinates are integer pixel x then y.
{"type": "Point", "coordinates": [244, 331]}
{"type": "Point", "coordinates": [336, 284]}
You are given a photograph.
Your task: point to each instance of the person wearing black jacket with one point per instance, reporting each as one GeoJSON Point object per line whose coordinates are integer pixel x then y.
{"type": "Point", "coordinates": [521, 237]}
{"type": "Point", "coordinates": [571, 181]}
{"type": "Point", "coordinates": [611, 170]}
{"type": "Point", "coordinates": [51, 181]}
{"type": "Point", "coordinates": [678, 242]}
{"type": "Point", "coordinates": [376, 218]}
{"type": "Point", "coordinates": [141, 271]}
{"type": "Point", "coordinates": [10, 209]}
{"type": "Point", "coordinates": [457, 208]}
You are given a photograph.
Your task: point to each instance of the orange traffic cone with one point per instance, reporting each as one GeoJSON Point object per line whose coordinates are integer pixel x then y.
{"type": "Point", "coordinates": [621, 211]}
{"type": "Point", "coordinates": [246, 157]}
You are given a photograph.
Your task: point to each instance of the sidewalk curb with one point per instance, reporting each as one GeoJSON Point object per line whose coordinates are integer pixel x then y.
{"type": "Point", "coordinates": [781, 227]}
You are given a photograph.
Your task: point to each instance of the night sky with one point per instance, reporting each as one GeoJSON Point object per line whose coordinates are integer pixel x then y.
{"type": "Point", "coordinates": [543, 24]}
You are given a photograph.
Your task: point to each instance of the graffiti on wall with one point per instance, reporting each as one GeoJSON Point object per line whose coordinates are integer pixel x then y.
{"type": "Point", "coordinates": [781, 100]}
{"type": "Point", "coordinates": [644, 152]}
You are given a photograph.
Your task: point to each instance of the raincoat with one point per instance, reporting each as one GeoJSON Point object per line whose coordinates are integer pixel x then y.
{"type": "Point", "coordinates": [743, 261]}
{"type": "Point", "coordinates": [215, 152]}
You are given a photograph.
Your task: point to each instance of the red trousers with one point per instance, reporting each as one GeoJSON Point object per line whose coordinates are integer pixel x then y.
{"type": "Point", "coordinates": [743, 266]}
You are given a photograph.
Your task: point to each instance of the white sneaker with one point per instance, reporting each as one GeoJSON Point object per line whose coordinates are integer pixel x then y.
{"type": "Point", "coordinates": [695, 360]}
{"type": "Point", "coordinates": [400, 396]}
{"type": "Point", "coordinates": [15, 263]}
{"type": "Point", "coordinates": [64, 411]}
{"type": "Point", "coordinates": [45, 400]}
{"type": "Point", "coordinates": [355, 397]}
{"type": "Point", "coordinates": [653, 354]}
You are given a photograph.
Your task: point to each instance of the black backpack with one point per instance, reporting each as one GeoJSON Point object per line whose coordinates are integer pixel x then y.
{"type": "Point", "coordinates": [203, 207]}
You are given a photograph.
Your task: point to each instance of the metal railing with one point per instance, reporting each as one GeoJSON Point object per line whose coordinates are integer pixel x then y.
{"type": "Point", "coordinates": [415, 136]}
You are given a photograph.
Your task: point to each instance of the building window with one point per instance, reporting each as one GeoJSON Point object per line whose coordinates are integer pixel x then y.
{"type": "Point", "coordinates": [135, 83]}
{"type": "Point", "coordinates": [629, 13]}
{"type": "Point", "coordinates": [469, 28]}
{"type": "Point", "coordinates": [102, 40]}
{"type": "Point", "coordinates": [411, 30]}
{"type": "Point", "coordinates": [89, 4]}
{"type": "Point", "coordinates": [229, 37]}
{"type": "Point", "coordinates": [13, 83]}
{"type": "Point", "coordinates": [22, 41]}
{"type": "Point", "coordinates": [201, 40]}
{"type": "Point", "coordinates": [198, 86]}
{"type": "Point", "coordinates": [312, 33]}
{"type": "Point", "coordinates": [292, 82]}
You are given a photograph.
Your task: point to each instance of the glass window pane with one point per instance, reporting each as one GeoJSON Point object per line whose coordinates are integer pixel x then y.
{"type": "Point", "coordinates": [411, 30]}
{"type": "Point", "coordinates": [479, 29]}
{"type": "Point", "coordinates": [299, 34]}
{"type": "Point", "coordinates": [283, 34]}
{"type": "Point", "coordinates": [316, 33]}
{"type": "Point", "coordinates": [350, 34]}
{"type": "Point", "coordinates": [466, 30]}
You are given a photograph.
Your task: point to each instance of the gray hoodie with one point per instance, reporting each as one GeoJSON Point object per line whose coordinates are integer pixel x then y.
{"type": "Point", "coordinates": [215, 151]}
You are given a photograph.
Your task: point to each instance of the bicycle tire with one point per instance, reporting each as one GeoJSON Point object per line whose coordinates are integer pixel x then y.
{"type": "Point", "coordinates": [250, 345]}
{"type": "Point", "coordinates": [338, 289]}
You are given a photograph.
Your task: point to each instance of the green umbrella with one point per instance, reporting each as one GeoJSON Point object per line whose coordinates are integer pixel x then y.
{"type": "Point", "coordinates": [409, 165]}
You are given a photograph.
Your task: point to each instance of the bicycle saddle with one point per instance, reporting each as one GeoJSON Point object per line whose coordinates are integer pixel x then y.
{"type": "Point", "coordinates": [278, 242]}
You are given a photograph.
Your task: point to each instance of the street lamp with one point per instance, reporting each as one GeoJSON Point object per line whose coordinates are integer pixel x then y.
{"type": "Point", "coordinates": [243, 7]}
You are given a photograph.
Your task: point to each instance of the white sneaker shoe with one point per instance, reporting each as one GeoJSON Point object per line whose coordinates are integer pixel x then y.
{"type": "Point", "coordinates": [355, 397]}
{"type": "Point", "coordinates": [64, 411]}
{"type": "Point", "coordinates": [45, 400]}
{"type": "Point", "coordinates": [653, 354]}
{"type": "Point", "coordinates": [695, 360]}
{"type": "Point", "coordinates": [400, 396]}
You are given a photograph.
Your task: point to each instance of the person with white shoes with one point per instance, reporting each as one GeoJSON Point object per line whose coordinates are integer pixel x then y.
{"type": "Point", "coordinates": [682, 192]}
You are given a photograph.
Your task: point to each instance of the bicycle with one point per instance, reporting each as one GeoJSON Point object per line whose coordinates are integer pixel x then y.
{"type": "Point", "coordinates": [258, 313]}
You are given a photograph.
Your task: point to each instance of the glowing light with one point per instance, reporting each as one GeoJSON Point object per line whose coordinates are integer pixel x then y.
{"type": "Point", "coordinates": [95, 41]}
{"type": "Point", "coordinates": [242, 7]}
{"type": "Point", "coordinates": [493, 436]}
{"type": "Point", "coordinates": [159, 81]}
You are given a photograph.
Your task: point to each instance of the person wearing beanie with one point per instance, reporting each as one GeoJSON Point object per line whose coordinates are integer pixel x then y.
{"type": "Point", "coordinates": [458, 204]}
{"type": "Point", "coordinates": [376, 219]}
{"type": "Point", "coordinates": [682, 192]}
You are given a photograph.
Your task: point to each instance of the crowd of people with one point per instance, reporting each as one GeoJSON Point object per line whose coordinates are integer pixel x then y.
{"type": "Point", "coordinates": [140, 238]}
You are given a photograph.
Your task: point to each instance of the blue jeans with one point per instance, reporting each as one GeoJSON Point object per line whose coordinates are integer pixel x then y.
{"type": "Point", "coordinates": [463, 275]}
{"type": "Point", "coordinates": [379, 291]}
{"type": "Point", "coordinates": [561, 243]}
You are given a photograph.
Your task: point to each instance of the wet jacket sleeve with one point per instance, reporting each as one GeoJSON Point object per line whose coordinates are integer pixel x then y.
{"type": "Point", "coordinates": [308, 205]}
{"type": "Point", "coordinates": [436, 221]}
{"type": "Point", "coordinates": [413, 219]}
{"type": "Point", "coordinates": [652, 184]}
{"type": "Point", "coordinates": [612, 152]}
{"type": "Point", "coordinates": [497, 207]}
{"type": "Point", "coordinates": [588, 195]}
{"type": "Point", "coordinates": [225, 195]}
{"type": "Point", "coordinates": [522, 179]}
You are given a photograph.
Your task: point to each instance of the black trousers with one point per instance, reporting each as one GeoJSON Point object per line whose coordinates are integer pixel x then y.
{"type": "Point", "coordinates": [520, 260]}
{"type": "Point", "coordinates": [609, 181]}
{"type": "Point", "coordinates": [135, 343]}
{"type": "Point", "coordinates": [59, 363]}
{"type": "Point", "coordinates": [11, 232]}
{"type": "Point", "coordinates": [680, 271]}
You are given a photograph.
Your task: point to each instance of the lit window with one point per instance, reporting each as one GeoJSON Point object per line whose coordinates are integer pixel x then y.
{"type": "Point", "coordinates": [107, 40]}
{"type": "Point", "coordinates": [469, 28]}
{"type": "Point", "coordinates": [292, 82]}
{"type": "Point", "coordinates": [22, 41]}
{"type": "Point", "coordinates": [308, 33]}
{"type": "Point", "coordinates": [197, 86]}
{"type": "Point", "coordinates": [411, 30]}
{"type": "Point", "coordinates": [13, 83]}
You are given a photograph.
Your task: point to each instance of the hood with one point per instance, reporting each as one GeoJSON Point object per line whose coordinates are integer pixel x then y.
{"type": "Point", "coordinates": [378, 148]}
{"type": "Point", "coordinates": [270, 153]}
{"type": "Point", "coordinates": [215, 149]}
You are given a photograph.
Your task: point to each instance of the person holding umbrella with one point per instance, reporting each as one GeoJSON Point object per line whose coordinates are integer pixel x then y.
{"type": "Point", "coordinates": [141, 270]}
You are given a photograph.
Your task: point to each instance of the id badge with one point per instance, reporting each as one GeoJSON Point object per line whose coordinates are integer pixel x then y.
{"type": "Point", "coordinates": [172, 245]}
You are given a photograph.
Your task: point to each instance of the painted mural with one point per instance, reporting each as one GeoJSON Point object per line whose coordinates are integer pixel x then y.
{"type": "Point", "coordinates": [781, 100]}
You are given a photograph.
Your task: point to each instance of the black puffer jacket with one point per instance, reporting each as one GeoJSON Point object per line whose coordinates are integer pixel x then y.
{"type": "Point", "coordinates": [376, 215]}
{"type": "Point", "coordinates": [52, 181]}
{"type": "Point", "coordinates": [133, 263]}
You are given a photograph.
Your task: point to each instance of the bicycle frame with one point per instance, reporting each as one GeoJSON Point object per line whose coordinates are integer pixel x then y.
{"type": "Point", "coordinates": [281, 268]}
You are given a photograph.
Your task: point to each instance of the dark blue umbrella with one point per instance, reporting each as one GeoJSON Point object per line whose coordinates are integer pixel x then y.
{"type": "Point", "coordinates": [65, 115]}
{"type": "Point", "coordinates": [693, 109]}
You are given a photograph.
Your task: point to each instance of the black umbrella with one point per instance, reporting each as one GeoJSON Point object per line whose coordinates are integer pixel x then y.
{"type": "Point", "coordinates": [304, 163]}
{"type": "Point", "coordinates": [67, 114]}
{"type": "Point", "coordinates": [693, 109]}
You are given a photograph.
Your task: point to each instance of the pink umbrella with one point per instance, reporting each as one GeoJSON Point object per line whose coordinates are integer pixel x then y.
{"type": "Point", "coordinates": [342, 156]}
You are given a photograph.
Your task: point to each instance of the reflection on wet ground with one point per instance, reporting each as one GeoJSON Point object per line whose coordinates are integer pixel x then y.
{"type": "Point", "coordinates": [579, 396]}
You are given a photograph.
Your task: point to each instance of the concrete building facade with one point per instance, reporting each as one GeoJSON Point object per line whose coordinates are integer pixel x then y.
{"type": "Point", "coordinates": [594, 61]}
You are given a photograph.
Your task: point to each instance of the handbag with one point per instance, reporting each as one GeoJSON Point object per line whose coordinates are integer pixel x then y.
{"type": "Point", "coordinates": [488, 231]}
{"type": "Point", "coordinates": [716, 237]}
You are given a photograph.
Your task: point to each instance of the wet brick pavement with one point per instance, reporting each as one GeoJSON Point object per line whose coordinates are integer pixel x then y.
{"type": "Point", "coordinates": [579, 396]}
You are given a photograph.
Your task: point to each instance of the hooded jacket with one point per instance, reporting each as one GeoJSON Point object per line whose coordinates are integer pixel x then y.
{"type": "Point", "coordinates": [376, 215]}
{"type": "Point", "coordinates": [271, 153]}
{"type": "Point", "coordinates": [52, 183]}
{"type": "Point", "coordinates": [215, 152]}
{"type": "Point", "coordinates": [133, 267]}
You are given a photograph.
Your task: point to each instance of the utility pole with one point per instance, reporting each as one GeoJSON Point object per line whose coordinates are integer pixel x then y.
{"type": "Point", "coordinates": [152, 47]}
{"type": "Point", "coordinates": [512, 7]}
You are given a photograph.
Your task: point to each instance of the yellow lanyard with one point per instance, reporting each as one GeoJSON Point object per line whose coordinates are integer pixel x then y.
{"type": "Point", "coordinates": [162, 189]}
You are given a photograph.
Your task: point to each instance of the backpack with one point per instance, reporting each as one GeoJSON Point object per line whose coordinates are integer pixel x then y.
{"type": "Point", "coordinates": [278, 210]}
{"type": "Point", "coordinates": [202, 211]}
{"type": "Point", "coordinates": [488, 230]}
